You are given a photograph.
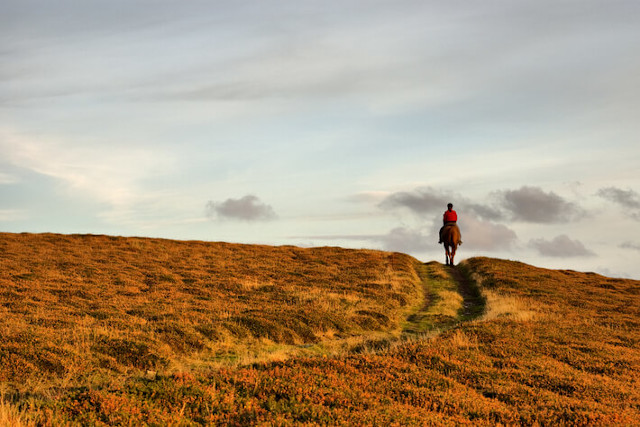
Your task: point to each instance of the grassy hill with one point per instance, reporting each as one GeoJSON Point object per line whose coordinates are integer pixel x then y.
{"type": "Point", "coordinates": [100, 329]}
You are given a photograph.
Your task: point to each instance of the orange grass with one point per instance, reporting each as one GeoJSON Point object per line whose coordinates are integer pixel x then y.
{"type": "Point", "coordinates": [76, 305]}
{"type": "Point", "coordinates": [554, 347]}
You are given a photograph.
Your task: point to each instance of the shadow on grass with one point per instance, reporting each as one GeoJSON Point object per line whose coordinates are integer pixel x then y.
{"type": "Point", "coordinates": [474, 304]}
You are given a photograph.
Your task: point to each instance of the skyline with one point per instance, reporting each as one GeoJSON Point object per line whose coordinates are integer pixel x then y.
{"type": "Point", "coordinates": [353, 125]}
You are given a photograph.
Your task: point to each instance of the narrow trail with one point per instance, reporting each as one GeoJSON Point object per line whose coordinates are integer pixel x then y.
{"type": "Point", "coordinates": [450, 298]}
{"type": "Point", "coordinates": [473, 302]}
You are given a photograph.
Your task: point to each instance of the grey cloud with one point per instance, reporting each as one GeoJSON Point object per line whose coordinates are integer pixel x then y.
{"type": "Point", "coordinates": [630, 245]}
{"type": "Point", "coordinates": [484, 211]}
{"type": "Point", "coordinates": [561, 246]}
{"type": "Point", "coordinates": [628, 199]}
{"type": "Point", "coordinates": [478, 229]}
{"type": "Point", "coordinates": [247, 208]}
{"type": "Point", "coordinates": [429, 200]}
{"type": "Point", "coordinates": [532, 204]}
{"type": "Point", "coordinates": [625, 198]}
{"type": "Point", "coordinates": [476, 234]}
{"type": "Point", "coordinates": [421, 201]}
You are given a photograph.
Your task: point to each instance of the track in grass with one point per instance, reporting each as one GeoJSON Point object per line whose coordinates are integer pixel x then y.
{"type": "Point", "coordinates": [450, 297]}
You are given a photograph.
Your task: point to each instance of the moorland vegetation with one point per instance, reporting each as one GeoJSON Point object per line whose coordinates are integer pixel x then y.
{"type": "Point", "coordinates": [111, 330]}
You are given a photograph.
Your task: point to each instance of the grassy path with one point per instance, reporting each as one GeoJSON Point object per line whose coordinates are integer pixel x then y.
{"type": "Point", "coordinates": [450, 298]}
{"type": "Point", "coordinates": [473, 301]}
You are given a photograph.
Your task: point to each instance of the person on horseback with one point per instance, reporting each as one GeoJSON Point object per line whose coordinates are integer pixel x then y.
{"type": "Point", "coordinates": [450, 217]}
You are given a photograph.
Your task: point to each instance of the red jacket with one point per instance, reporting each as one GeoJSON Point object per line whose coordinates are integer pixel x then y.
{"type": "Point", "coordinates": [450, 216]}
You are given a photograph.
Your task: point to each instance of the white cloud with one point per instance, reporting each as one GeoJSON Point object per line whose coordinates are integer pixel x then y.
{"type": "Point", "coordinates": [368, 197]}
{"type": "Point", "coordinates": [7, 215]}
{"type": "Point", "coordinates": [112, 175]}
{"type": "Point", "coordinates": [402, 239]}
{"type": "Point", "coordinates": [8, 179]}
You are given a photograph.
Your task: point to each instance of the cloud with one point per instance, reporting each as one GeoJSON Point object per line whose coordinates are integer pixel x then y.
{"type": "Point", "coordinates": [630, 245]}
{"type": "Point", "coordinates": [367, 197]}
{"type": "Point", "coordinates": [429, 200]}
{"type": "Point", "coordinates": [109, 174]}
{"type": "Point", "coordinates": [477, 234]}
{"type": "Point", "coordinates": [12, 214]}
{"type": "Point", "coordinates": [532, 204]}
{"type": "Point", "coordinates": [561, 246]}
{"type": "Point", "coordinates": [399, 239]}
{"type": "Point", "coordinates": [247, 208]}
{"type": "Point", "coordinates": [483, 211]}
{"type": "Point", "coordinates": [420, 201]}
{"type": "Point", "coordinates": [476, 220]}
{"type": "Point", "coordinates": [628, 199]}
{"type": "Point", "coordinates": [7, 179]}
{"type": "Point", "coordinates": [402, 239]}
{"type": "Point", "coordinates": [486, 235]}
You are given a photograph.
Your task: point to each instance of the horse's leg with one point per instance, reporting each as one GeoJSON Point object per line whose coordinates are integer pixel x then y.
{"type": "Point", "coordinates": [446, 254]}
{"type": "Point", "coordinates": [453, 254]}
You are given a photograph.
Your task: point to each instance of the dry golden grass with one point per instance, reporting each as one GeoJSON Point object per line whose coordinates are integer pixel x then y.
{"type": "Point", "coordinates": [10, 416]}
{"type": "Point", "coordinates": [512, 307]}
{"type": "Point", "coordinates": [461, 339]}
{"type": "Point", "coordinates": [81, 306]}
{"type": "Point", "coordinates": [115, 331]}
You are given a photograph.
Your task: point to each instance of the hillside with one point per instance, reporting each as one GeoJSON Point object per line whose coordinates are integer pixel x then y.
{"type": "Point", "coordinates": [113, 304]}
{"type": "Point", "coordinates": [115, 330]}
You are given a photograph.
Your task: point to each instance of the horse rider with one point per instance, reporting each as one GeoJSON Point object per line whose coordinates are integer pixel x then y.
{"type": "Point", "coordinates": [450, 217]}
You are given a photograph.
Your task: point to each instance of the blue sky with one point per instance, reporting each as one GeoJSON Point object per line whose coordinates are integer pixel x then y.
{"type": "Point", "coordinates": [346, 123]}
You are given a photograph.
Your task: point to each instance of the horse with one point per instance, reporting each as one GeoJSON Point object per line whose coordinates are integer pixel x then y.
{"type": "Point", "coordinates": [450, 239]}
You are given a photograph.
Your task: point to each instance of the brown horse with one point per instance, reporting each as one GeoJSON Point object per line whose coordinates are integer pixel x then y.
{"type": "Point", "coordinates": [450, 239]}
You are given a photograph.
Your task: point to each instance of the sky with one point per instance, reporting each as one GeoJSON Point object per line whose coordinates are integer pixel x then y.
{"type": "Point", "coordinates": [328, 123]}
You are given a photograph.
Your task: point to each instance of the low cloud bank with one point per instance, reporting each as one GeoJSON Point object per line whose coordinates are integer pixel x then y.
{"type": "Point", "coordinates": [402, 239]}
{"type": "Point", "coordinates": [560, 246]}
